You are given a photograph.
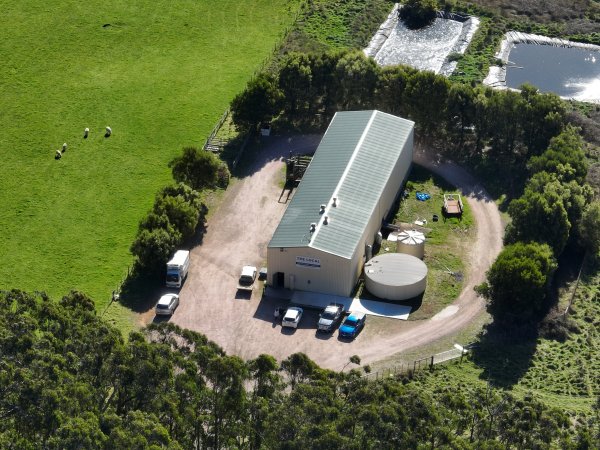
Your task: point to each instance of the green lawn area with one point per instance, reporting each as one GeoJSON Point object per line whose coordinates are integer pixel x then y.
{"type": "Point", "coordinates": [160, 73]}
{"type": "Point", "coordinates": [447, 241]}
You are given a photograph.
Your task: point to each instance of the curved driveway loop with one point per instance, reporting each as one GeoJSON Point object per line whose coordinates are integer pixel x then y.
{"type": "Point", "coordinates": [238, 234]}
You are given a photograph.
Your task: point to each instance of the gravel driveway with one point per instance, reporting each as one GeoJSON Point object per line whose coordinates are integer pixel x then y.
{"type": "Point", "coordinates": [238, 234]}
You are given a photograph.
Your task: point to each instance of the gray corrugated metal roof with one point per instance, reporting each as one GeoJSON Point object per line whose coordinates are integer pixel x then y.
{"type": "Point", "coordinates": [353, 163]}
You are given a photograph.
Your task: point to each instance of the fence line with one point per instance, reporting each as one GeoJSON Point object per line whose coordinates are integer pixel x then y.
{"type": "Point", "coordinates": [419, 364]}
{"type": "Point", "coordinates": [572, 299]}
{"type": "Point", "coordinates": [117, 292]}
{"type": "Point", "coordinates": [216, 128]}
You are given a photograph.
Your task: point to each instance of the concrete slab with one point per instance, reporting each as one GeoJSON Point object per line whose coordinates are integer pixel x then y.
{"type": "Point", "coordinates": [382, 309]}
{"type": "Point", "coordinates": [370, 307]}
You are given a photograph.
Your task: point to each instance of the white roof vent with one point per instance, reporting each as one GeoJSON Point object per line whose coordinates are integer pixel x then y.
{"type": "Point", "coordinates": [313, 227]}
{"type": "Point", "coordinates": [322, 209]}
{"type": "Point", "coordinates": [325, 220]}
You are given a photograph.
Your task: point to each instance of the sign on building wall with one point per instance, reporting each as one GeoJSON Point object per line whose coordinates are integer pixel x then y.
{"type": "Point", "coordinates": [311, 263]}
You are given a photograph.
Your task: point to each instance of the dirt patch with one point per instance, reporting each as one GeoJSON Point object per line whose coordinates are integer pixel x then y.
{"type": "Point", "coordinates": [238, 234]}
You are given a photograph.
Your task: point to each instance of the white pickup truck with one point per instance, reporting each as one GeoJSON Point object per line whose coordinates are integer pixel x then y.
{"type": "Point", "coordinates": [247, 278]}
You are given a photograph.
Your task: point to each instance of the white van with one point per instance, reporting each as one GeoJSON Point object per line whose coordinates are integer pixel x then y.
{"type": "Point", "coordinates": [177, 268]}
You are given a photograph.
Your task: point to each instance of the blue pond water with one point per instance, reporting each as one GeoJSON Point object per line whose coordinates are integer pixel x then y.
{"type": "Point", "coordinates": [568, 72]}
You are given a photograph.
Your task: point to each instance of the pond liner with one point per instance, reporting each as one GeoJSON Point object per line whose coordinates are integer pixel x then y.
{"type": "Point", "coordinates": [470, 24]}
{"type": "Point", "coordinates": [496, 76]}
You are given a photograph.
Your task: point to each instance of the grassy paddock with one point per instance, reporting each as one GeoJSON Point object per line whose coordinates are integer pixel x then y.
{"type": "Point", "coordinates": [160, 73]}
{"type": "Point", "coordinates": [561, 374]}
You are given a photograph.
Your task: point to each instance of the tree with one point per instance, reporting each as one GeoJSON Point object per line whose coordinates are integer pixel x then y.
{"type": "Point", "coordinates": [574, 196]}
{"type": "Point", "coordinates": [565, 156]}
{"type": "Point", "coordinates": [181, 214]}
{"type": "Point", "coordinates": [418, 13]}
{"type": "Point", "coordinates": [295, 80]}
{"type": "Point", "coordinates": [590, 229]}
{"type": "Point", "coordinates": [267, 385]}
{"type": "Point", "coordinates": [325, 84]}
{"type": "Point", "coordinates": [539, 217]}
{"type": "Point", "coordinates": [357, 76]}
{"type": "Point", "coordinates": [425, 97]}
{"type": "Point", "coordinates": [389, 94]}
{"type": "Point", "coordinates": [153, 248]}
{"type": "Point", "coordinates": [542, 118]}
{"type": "Point", "coordinates": [504, 111]}
{"type": "Point", "coordinates": [228, 405]}
{"type": "Point", "coordinates": [298, 367]}
{"type": "Point", "coordinates": [517, 282]}
{"type": "Point", "coordinates": [258, 103]}
{"type": "Point", "coordinates": [196, 168]}
{"type": "Point", "coordinates": [460, 107]}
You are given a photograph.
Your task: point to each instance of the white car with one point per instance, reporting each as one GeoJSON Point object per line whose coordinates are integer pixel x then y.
{"type": "Point", "coordinates": [292, 317]}
{"type": "Point", "coordinates": [247, 278]}
{"type": "Point", "coordinates": [167, 305]}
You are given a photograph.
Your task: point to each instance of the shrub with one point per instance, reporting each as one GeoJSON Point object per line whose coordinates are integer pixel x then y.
{"type": "Point", "coordinates": [259, 102]}
{"type": "Point", "coordinates": [176, 213]}
{"type": "Point", "coordinates": [152, 248]}
{"type": "Point", "coordinates": [418, 13]}
{"type": "Point", "coordinates": [518, 281]}
{"type": "Point", "coordinates": [196, 168]}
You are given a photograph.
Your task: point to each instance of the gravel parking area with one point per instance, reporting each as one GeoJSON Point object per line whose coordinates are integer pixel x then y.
{"type": "Point", "coordinates": [238, 233]}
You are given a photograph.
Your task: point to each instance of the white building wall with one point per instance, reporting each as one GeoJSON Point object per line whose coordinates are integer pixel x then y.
{"type": "Point", "coordinates": [307, 269]}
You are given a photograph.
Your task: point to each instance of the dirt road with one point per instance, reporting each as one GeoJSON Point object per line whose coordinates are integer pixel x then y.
{"type": "Point", "coordinates": [238, 234]}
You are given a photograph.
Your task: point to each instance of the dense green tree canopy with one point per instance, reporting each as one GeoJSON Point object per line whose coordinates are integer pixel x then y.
{"type": "Point", "coordinates": [258, 103]}
{"type": "Point", "coordinates": [565, 156]}
{"type": "Point", "coordinates": [69, 380]}
{"type": "Point", "coordinates": [590, 229]}
{"type": "Point", "coordinates": [197, 168]}
{"type": "Point", "coordinates": [540, 217]}
{"type": "Point", "coordinates": [518, 281]}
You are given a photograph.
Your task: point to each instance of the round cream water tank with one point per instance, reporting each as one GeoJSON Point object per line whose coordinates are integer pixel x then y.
{"type": "Point", "coordinates": [412, 242]}
{"type": "Point", "coordinates": [395, 276]}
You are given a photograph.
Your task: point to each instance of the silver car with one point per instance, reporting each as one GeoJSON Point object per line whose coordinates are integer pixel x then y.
{"type": "Point", "coordinates": [167, 305]}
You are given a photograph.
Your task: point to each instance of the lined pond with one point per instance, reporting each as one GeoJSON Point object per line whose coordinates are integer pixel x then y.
{"type": "Point", "coordinates": [569, 72]}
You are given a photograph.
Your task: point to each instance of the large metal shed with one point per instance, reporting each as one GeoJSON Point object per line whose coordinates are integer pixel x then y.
{"type": "Point", "coordinates": [348, 189]}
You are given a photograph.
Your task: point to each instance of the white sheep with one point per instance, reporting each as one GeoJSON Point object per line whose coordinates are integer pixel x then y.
{"type": "Point", "coordinates": [85, 133]}
{"type": "Point", "coordinates": [108, 132]}
{"type": "Point", "coordinates": [58, 154]}
{"type": "Point", "coordinates": [64, 149]}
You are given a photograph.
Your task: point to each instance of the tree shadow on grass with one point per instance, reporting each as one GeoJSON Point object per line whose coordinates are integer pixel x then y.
{"type": "Point", "coordinates": [505, 353]}
{"type": "Point", "coordinates": [141, 290]}
{"type": "Point", "coordinates": [505, 349]}
{"type": "Point", "coordinates": [420, 174]}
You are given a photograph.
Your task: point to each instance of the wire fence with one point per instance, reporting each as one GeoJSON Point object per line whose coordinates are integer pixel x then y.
{"type": "Point", "coordinates": [426, 363]}
{"type": "Point", "coordinates": [572, 299]}
{"type": "Point", "coordinates": [116, 293]}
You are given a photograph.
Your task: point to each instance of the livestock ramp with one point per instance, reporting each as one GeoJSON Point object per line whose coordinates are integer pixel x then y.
{"type": "Point", "coordinates": [369, 307]}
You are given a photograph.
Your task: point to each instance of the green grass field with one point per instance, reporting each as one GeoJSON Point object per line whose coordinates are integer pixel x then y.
{"type": "Point", "coordinates": [160, 73]}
